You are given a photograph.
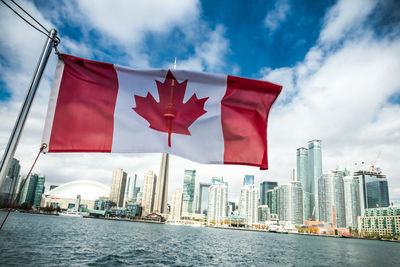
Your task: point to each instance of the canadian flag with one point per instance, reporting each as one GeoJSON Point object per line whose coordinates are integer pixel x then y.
{"type": "Point", "coordinates": [208, 118]}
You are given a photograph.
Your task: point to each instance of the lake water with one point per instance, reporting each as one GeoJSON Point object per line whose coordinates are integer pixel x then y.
{"type": "Point", "coordinates": [40, 240]}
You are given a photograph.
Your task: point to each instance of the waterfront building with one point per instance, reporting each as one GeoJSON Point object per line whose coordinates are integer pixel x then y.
{"type": "Point", "coordinates": [231, 207]}
{"type": "Point", "coordinates": [306, 181]}
{"type": "Point", "coordinates": [118, 184]}
{"type": "Point", "coordinates": [217, 180]}
{"type": "Point", "coordinates": [380, 220]}
{"type": "Point", "coordinates": [103, 203]}
{"type": "Point", "coordinates": [13, 174]}
{"type": "Point", "coordinates": [9, 189]}
{"type": "Point", "coordinates": [139, 196]}
{"type": "Point", "coordinates": [248, 203]}
{"type": "Point", "coordinates": [351, 201]}
{"type": "Point", "coordinates": [136, 194]}
{"type": "Point", "coordinates": [248, 180]}
{"type": "Point", "coordinates": [314, 172]}
{"type": "Point", "coordinates": [33, 190]}
{"type": "Point", "coordinates": [188, 191]}
{"type": "Point", "coordinates": [373, 189]}
{"type": "Point", "coordinates": [149, 187]}
{"type": "Point", "coordinates": [264, 187]}
{"type": "Point", "coordinates": [202, 203]}
{"type": "Point", "coordinates": [64, 196]}
{"type": "Point", "coordinates": [176, 206]}
{"type": "Point", "coordinates": [263, 213]}
{"type": "Point", "coordinates": [217, 203]}
{"type": "Point", "coordinates": [130, 189]}
{"type": "Point", "coordinates": [331, 199]}
{"type": "Point", "coordinates": [272, 200]}
{"type": "Point", "coordinates": [290, 202]}
{"type": "Point", "coordinates": [161, 197]}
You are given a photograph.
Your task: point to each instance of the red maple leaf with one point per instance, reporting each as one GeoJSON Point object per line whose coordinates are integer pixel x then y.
{"type": "Point", "coordinates": [170, 115]}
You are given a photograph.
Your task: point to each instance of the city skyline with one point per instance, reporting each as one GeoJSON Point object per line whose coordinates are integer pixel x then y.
{"type": "Point", "coordinates": [330, 71]}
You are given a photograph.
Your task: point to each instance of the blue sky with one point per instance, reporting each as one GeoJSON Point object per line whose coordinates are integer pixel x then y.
{"type": "Point", "coordinates": [337, 61]}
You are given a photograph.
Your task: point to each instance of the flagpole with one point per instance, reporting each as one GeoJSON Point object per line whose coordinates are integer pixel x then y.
{"type": "Point", "coordinates": [20, 122]}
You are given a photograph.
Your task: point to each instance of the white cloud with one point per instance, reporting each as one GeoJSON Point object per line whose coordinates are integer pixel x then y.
{"type": "Point", "coordinates": [343, 17]}
{"type": "Point", "coordinates": [210, 54]}
{"type": "Point", "coordinates": [277, 15]}
{"type": "Point", "coordinates": [128, 21]}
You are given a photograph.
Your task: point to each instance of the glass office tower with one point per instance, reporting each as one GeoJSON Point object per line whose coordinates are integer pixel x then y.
{"type": "Point", "coordinates": [314, 172]}
{"type": "Point", "coordinates": [188, 191]}
{"type": "Point", "coordinates": [264, 187]}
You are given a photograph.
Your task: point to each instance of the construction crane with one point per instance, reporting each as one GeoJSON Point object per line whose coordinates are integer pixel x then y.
{"type": "Point", "coordinates": [373, 163]}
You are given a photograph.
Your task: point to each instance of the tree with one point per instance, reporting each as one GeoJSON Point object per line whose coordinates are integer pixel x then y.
{"type": "Point", "coordinates": [25, 206]}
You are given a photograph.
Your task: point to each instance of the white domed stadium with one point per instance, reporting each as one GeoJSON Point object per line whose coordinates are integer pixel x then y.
{"type": "Point", "coordinates": [65, 195]}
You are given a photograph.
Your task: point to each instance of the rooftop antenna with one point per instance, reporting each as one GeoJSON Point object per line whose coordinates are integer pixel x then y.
{"type": "Point", "coordinates": [175, 64]}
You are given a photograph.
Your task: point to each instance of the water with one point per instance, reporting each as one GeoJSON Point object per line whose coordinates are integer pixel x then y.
{"type": "Point", "coordinates": [40, 240]}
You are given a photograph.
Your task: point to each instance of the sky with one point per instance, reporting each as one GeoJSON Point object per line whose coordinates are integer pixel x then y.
{"type": "Point", "coordinates": [338, 63]}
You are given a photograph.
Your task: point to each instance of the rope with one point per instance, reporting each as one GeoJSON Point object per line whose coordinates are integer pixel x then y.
{"type": "Point", "coordinates": [22, 186]}
{"type": "Point", "coordinates": [57, 39]}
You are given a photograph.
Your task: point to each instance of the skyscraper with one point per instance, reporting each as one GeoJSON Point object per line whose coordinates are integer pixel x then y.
{"type": "Point", "coordinates": [148, 192]}
{"type": "Point", "coordinates": [118, 184]}
{"type": "Point", "coordinates": [373, 189]}
{"type": "Point", "coordinates": [203, 198]}
{"type": "Point", "coordinates": [33, 190]}
{"type": "Point", "coordinates": [161, 197]}
{"type": "Point", "coordinates": [217, 203]}
{"type": "Point", "coordinates": [248, 203]}
{"type": "Point", "coordinates": [130, 188]}
{"type": "Point", "coordinates": [331, 199]}
{"type": "Point", "coordinates": [13, 173]}
{"type": "Point", "coordinates": [176, 205]}
{"type": "Point", "coordinates": [351, 201]}
{"type": "Point", "coordinates": [188, 191]}
{"type": "Point", "coordinates": [314, 172]}
{"type": "Point", "coordinates": [248, 179]}
{"type": "Point", "coordinates": [290, 202]}
{"type": "Point", "coordinates": [264, 187]}
{"type": "Point", "coordinates": [306, 181]}
{"type": "Point", "coordinates": [272, 201]}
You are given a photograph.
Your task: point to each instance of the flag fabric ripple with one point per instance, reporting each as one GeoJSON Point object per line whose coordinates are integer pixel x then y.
{"type": "Point", "coordinates": [209, 118]}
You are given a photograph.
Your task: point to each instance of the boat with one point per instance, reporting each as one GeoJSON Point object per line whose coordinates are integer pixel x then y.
{"type": "Point", "coordinates": [347, 235]}
{"type": "Point", "coordinates": [68, 213]}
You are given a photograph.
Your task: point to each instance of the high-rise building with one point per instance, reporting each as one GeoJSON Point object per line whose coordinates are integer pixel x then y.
{"type": "Point", "coordinates": [135, 194]}
{"type": "Point", "coordinates": [148, 192]}
{"type": "Point", "coordinates": [176, 205]}
{"type": "Point", "coordinates": [290, 202]}
{"type": "Point", "coordinates": [351, 201]}
{"type": "Point", "coordinates": [373, 189]}
{"type": "Point", "coordinates": [248, 203]}
{"type": "Point", "coordinates": [264, 187]}
{"type": "Point", "coordinates": [33, 190]}
{"type": "Point", "coordinates": [263, 213]}
{"type": "Point", "coordinates": [314, 172]}
{"type": "Point", "coordinates": [272, 201]}
{"type": "Point", "coordinates": [161, 197]}
{"type": "Point", "coordinates": [188, 191]}
{"type": "Point", "coordinates": [130, 188]}
{"type": "Point", "coordinates": [203, 198]}
{"type": "Point", "coordinates": [13, 173]}
{"type": "Point", "coordinates": [248, 180]}
{"type": "Point", "coordinates": [118, 184]}
{"type": "Point", "coordinates": [217, 203]}
{"type": "Point", "coordinates": [231, 207]}
{"type": "Point", "coordinates": [331, 199]}
{"type": "Point", "coordinates": [306, 182]}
